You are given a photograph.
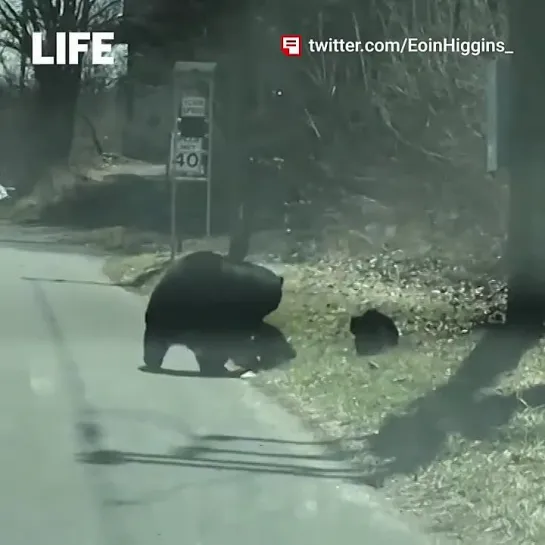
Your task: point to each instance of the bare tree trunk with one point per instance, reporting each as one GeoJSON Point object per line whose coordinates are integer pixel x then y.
{"type": "Point", "coordinates": [22, 74]}
{"type": "Point", "coordinates": [58, 91]}
{"type": "Point", "coordinates": [241, 90]}
{"type": "Point", "coordinates": [526, 245]}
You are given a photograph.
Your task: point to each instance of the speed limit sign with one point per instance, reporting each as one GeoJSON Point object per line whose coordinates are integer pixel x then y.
{"type": "Point", "coordinates": [189, 157]}
{"type": "Point", "coordinates": [190, 150]}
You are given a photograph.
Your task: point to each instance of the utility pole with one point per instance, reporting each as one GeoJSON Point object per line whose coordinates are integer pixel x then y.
{"type": "Point", "coordinates": [526, 243]}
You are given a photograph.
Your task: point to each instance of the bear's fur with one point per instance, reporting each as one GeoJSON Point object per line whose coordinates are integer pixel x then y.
{"type": "Point", "coordinates": [264, 349]}
{"type": "Point", "coordinates": [374, 332]}
{"type": "Point", "coordinates": [205, 299]}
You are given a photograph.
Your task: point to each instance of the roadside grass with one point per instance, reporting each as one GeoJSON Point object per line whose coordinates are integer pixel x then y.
{"type": "Point", "coordinates": [449, 423]}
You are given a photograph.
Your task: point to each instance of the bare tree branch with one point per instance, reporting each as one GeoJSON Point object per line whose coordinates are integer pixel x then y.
{"type": "Point", "coordinates": [51, 16]}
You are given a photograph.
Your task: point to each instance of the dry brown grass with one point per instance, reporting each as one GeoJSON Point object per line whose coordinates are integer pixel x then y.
{"type": "Point", "coordinates": [447, 423]}
{"type": "Point", "coordinates": [469, 460]}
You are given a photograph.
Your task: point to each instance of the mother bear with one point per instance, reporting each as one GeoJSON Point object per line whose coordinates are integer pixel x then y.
{"type": "Point", "coordinates": [211, 305]}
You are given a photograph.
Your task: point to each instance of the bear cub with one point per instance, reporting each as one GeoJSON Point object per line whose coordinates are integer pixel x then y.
{"type": "Point", "coordinates": [374, 332]}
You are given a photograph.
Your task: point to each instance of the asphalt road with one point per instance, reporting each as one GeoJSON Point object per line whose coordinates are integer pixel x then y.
{"type": "Point", "coordinates": [94, 452]}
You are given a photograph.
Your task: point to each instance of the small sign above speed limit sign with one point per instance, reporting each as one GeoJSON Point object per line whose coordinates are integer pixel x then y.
{"type": "Point", "coordinates": [193, 106]}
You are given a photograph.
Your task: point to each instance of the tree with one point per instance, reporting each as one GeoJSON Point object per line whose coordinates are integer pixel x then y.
{"type": "Point", "coordinates": [58, 87]}
{"type": "Point", "coordinates": [526, 243]}
{"type": "Point", "coordinates": [241, 82]}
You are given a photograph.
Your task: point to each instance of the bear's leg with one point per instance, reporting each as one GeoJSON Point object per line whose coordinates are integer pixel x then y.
{"type": "Point", "coordinates": [211, 363]}
{"type": "Point", "coordinates": [215, 350]}
{"type": "Point", "coordinates": [155, 349]}
{"type": "Point", "coordinates": [209, 352]}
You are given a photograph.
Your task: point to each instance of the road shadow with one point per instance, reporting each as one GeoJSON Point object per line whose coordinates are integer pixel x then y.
{"type": "Point", "coordinates": [411, 441]}
{"type": "Point", "coordinates": [182, 373]}
{"type": "Point", "coordinates": [257, 455]}
{"type": "Point", "coordinates": [67, 281]}
{"type": "Point", "coordinates": [138, 282]}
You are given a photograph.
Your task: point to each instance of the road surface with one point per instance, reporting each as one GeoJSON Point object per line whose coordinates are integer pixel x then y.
{"type": "Point", "coordinates": [94, 452]}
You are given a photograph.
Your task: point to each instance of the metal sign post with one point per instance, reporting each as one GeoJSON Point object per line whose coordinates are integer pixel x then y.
{"type": "Point", "coordinates": [497, 114]}
{"type": "Point", "coordinates": [190, 156]}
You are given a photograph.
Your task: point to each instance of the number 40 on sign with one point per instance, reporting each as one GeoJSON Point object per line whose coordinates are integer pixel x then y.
{"type": "Point", "coordinates": [190, 159]}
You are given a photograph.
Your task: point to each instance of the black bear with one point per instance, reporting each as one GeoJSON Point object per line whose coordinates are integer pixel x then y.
{"type": "Point", "coordinates": [261, 349]}
{"type": "Point", "coordinates": [210, 304]}
{"type": "Point", "coordinates": [271, 348]}
{"type": "Point", "coordinates": [265, 349]}
{"type": "Point", "coordinates": [373, 332]}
